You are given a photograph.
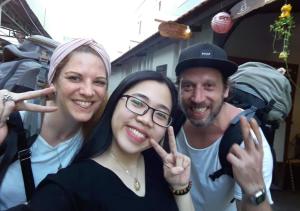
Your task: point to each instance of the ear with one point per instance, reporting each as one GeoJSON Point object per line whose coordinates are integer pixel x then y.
{"type": "Point", "coordinates": [51, 96]}
{"type": "Point", "coordinates": [226, 92]}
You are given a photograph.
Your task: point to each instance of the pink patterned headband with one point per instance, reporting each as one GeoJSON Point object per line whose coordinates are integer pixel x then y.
{"type": "Point", "coordinates": [65, 49]}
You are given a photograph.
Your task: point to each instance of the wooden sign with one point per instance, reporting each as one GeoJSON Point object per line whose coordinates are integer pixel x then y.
{"type": "Point", "coordinates": [174, 30]}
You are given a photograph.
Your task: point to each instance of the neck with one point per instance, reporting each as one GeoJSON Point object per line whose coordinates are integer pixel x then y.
{"type": "Point", "coordinates": [56, 128]}
{"type": "Point", "coordinates": [128, 160]}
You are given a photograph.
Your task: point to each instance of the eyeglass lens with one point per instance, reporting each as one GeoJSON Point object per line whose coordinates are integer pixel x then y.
{"type": "Point", "coordinates": [139, 107]}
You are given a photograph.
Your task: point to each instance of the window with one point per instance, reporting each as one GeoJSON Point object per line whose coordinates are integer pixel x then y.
{"type": "Point", "coordinates": [162, 69]}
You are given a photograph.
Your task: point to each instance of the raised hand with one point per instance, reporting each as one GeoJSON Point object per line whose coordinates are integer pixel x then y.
{"type": "Point", "coordinates": [176, 165]}
{"type": "Point", "coordinates": [247, 162]}
{"type": "Point", "coordinates": [10, 101]}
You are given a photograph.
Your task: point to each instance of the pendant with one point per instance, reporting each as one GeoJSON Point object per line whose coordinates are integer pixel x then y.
{"type": "Point", "coordinates": [137, 185]}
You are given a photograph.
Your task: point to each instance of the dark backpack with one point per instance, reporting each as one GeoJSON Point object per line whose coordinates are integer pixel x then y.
{"type": "Point", "coordinates": [232, 135]}
{"type": "Point", "coordinates": [25, 67]}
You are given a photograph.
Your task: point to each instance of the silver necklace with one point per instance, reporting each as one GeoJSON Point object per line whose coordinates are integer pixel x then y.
{"type": "Point", "coordinates": [136, 182]}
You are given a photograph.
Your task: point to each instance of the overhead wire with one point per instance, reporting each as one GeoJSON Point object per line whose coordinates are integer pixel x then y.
{"type": "Point", "coordinates": [30, 17]}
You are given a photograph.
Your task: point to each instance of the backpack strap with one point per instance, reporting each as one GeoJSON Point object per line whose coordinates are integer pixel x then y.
{"type": "Point", "coordinates": [232, 135]}
{"type": "Point", "coordinates": [252, 88]}
{"type": "Point", "coordinates": [17, 146]}
{"type": "Point", "coordinates": [24, 155]}
{"type": "Point", "coordinates": [41, 79]}
{"type": "Point", "coordinates": [268, 105]}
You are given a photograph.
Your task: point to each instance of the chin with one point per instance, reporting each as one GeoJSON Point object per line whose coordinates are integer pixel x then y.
{"type": "Point", "coordinates": [82, 118]}
{"type": "Point", "coordinates": [132, 148]}
{"type": "Point", "coordinates": [198, 123]}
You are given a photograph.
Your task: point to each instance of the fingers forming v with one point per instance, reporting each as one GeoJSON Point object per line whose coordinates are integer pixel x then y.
{"type": "Point", "coordinates": [21, 106]}
{"type": "Point", "coordinates": [32, 94]}
{"type": "Point", "coordinates": [257, 134]}
{"type": "Point", "coordinates": [247, 137]}
{"type": "Point", "coordinates": [172, 141]}
{"type": "Point", "coordinates": [160, 151]}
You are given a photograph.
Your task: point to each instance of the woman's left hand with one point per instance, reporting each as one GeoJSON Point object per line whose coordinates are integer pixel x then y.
{"type": "Point", "coordinates": [176, 165]}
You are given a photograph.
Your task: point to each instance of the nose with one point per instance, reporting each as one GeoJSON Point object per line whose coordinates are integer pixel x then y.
{"type": "Point", "coordinates": [87, 89]}
{"type": "Point", "coordinates": [146, 119]}
{"type": "Point", "coordinates": [198, 95]}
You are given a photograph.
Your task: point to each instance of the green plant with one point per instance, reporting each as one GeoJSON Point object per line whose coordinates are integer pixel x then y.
{"type": "Point", "coordinates": [282, 29]}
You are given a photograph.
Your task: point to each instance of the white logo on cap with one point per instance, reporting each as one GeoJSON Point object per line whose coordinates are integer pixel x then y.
{"type": "Point", "coordinates": [205, 53]}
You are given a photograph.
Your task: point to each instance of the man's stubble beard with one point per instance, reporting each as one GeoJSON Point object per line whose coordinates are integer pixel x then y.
{"type": "Point", "coordinates": [202, 123]}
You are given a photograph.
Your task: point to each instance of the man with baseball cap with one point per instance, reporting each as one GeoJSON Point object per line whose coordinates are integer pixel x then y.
{"type": "Point", "coordinates": [202, 75]}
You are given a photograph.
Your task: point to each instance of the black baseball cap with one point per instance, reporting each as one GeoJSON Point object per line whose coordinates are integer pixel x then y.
{"type": "Point", "coordinates": [205, 55]}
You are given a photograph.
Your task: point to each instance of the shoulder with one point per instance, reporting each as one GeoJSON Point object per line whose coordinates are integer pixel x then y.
{"type": "Point", "coordinates": [231, 110]}
{"type": "Point", "coordinates": [78, 173]}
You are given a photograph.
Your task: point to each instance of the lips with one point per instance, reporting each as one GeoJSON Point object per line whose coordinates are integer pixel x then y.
{"type": "Point", "coordinates": [83, 104]}
{"type": "Point", "coordinates": [136, 135]}
{"type": "Point", "coordinates": [199, 111]}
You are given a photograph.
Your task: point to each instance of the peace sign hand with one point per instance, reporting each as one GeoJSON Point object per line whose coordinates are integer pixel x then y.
{"type": "Point", "coordinates": [247, 162]}
{"type": "Point", "coordinates": [10, 101]}
{"type": "Point", "coordinates": [176, 165]}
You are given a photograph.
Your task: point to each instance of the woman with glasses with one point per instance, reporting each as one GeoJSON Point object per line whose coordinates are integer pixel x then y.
{"type": "Point", "coordinates": [127, 168]}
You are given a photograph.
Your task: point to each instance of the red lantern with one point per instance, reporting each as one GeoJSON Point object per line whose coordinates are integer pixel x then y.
{"type": "Point", "coordinates": [221, 23]}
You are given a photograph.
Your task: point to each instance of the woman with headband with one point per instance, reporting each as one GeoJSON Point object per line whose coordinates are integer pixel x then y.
{"type": "Point", "coordinates": [78, 79]}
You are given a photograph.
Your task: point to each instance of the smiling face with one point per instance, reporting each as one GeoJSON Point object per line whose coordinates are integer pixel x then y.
{"type": "Point", "coordinates": [81, 86]}
{"type": "Point", "coordinates": [201, 95]}
{"type": "Point", "coordinates": [132, 132]}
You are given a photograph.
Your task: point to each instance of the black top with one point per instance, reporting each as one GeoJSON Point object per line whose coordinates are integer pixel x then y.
{"type": "Point", "coordinates": [89, 186]}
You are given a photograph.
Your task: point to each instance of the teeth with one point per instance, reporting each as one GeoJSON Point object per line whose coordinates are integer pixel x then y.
{"type": "Point", "coordinates": [200, 109]}
{"type": "Point", "coordinates": [137, 133]}
{"type": "Point", "coordinates": [83, 104]}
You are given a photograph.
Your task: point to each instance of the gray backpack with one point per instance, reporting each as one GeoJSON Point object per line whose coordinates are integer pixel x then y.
{"type": "Point", "coordinates": [25, 67]}
{"type": "Point", "coordinates": [260, 85]}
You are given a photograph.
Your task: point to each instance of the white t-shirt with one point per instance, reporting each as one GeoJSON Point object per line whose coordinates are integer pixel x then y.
{"type": "Point", "coordinates": [45, 159]}
{"type": "Point", "coordinates": [217, 195]}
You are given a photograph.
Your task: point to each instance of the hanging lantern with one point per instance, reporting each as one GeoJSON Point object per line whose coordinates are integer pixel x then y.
{"type": "Point", "coordinates": [221, 23]}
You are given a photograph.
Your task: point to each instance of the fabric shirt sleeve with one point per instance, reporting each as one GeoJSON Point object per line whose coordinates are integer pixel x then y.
{"type": "Point", "coordinates": [267, 171]}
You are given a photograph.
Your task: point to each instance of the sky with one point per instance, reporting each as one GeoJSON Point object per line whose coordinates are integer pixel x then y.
{"type": "Point", "coordinates": [105, 21]}
{"type": "Point", "coordinates": [113, 23]}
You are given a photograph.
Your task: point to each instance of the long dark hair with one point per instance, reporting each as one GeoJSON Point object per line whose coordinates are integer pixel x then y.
{"type": "Point", "coordinates": [101, 136]}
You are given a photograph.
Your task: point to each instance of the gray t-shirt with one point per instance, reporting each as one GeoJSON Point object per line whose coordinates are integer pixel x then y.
{"type": "Point", "coordinates": [211, 195]}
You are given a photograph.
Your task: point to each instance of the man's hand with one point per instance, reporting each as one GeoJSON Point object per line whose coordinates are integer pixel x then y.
{"type": "Point", "coordinates": [247, 162]}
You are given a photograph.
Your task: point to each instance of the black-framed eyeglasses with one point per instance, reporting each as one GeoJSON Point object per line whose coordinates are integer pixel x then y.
{"type": "Point", "coordinates": [139, 107]}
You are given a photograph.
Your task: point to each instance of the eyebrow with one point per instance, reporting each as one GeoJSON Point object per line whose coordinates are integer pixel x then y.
{"type": "Point", "coordinates": [101, 77]}
{"type": "Point", "coordinates": [77, 73]}
{"type": "Point", "coordinates": [147, 99]}
{"type": "Point", "coordinates": [187, 81]}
